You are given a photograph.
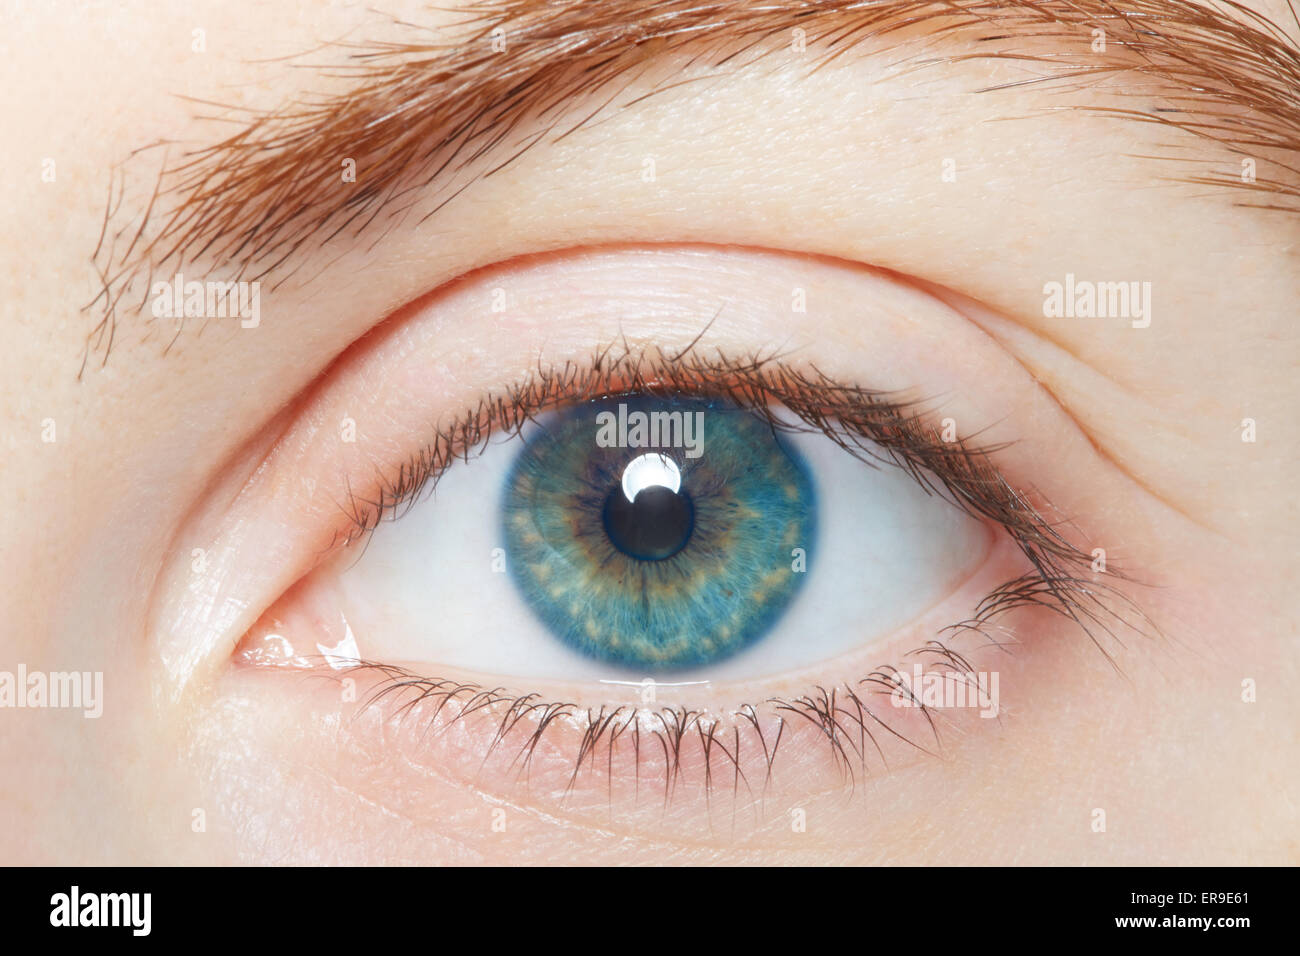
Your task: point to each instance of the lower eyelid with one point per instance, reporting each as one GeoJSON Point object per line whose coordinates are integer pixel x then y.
{"type": "Point", "coordinates": [474, 734]}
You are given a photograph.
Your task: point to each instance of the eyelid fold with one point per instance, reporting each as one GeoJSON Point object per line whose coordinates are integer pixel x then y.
{"type": "Point", "coordinates": [606, 317]}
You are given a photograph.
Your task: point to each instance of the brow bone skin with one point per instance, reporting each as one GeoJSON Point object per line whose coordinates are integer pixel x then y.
{"type": "Point", "coordinates": [418, 112]}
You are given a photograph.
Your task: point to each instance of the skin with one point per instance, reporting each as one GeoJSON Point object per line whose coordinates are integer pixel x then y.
{"type": "Point", "coordinates": [1134, 434]}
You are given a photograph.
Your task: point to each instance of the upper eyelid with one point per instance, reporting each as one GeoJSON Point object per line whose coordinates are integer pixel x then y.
{"type": "Point", "coordinates": [214, 199]}
{"type": "Point", "coordinates": [275, 476]}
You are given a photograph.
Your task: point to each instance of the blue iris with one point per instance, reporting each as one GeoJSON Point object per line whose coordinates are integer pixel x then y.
{"type": "Point", "coordinates": [657, 533]}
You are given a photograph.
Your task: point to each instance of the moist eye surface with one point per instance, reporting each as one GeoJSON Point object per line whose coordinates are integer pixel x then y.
{"type": "Point", "coordinates": [660, 533]}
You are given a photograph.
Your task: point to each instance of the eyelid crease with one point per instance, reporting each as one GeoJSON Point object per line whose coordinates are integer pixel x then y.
{"type": "Point", "coordinates": [1086, 384]}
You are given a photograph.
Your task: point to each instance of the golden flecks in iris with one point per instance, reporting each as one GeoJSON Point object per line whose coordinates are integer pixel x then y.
{"type": "Point", "coordinates": [770, 580]}
{"type": "Point", "coordinates": [695, 605]}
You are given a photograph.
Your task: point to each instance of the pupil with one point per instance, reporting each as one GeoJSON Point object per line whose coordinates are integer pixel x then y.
{"type": "Point", "coordinates": [654, 526]}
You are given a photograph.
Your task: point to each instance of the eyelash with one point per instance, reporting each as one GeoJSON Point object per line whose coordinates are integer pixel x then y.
{"type": "Point", "coordinates": [849, 415]}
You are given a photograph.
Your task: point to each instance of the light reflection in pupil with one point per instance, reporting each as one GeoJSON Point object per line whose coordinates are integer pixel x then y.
{"type": "Point", "coordinates": [646, 471]}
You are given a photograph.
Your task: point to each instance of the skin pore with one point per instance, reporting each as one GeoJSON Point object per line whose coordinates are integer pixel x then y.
{"type": "Point", "coordinates": [173, 488]}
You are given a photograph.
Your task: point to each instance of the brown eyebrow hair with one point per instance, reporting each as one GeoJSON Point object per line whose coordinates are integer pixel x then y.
{"type": "Point", "coordinates": [421, 111]}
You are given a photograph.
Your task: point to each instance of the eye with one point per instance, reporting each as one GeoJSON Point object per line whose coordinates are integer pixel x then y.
{"type": "Point", "coordinates": [462, 542]}
{"type": "Point", "coordinates": [645, 535]}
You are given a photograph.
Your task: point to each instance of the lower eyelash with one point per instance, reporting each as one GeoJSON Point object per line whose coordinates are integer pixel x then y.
{"type": "Point", "coordinates": [709, 749]}
{"type": "Point", "coordinates": [736, 747]}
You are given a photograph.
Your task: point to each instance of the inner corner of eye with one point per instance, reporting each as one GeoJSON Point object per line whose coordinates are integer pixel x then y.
{"type": "Point", "coordinates": [305, 629]}
{"type": "Point", "coordinates": [638, 535]}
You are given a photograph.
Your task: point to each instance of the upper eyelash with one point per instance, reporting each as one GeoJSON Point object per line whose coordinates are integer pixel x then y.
{"type": "Point", "coordinates": [899, 433]}
{"type": "Point", "coordinates": [850, 415]}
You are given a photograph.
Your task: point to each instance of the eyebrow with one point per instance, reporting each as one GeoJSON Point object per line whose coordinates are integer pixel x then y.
{"type": "Point", "coordinates": [419, 113]}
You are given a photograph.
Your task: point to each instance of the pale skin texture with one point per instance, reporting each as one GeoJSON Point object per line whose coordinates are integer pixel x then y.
{"type": "Point", "coordinates": [1133, 433]}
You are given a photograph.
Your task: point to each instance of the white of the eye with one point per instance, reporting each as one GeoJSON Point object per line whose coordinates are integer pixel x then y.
{"type": "Point", "coordinates": [434, 587]}
{"type": "Point", "coordinates": [650, 471]}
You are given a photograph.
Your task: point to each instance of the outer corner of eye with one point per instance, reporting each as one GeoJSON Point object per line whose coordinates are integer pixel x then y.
{"type": "Point", "coordinates": [674, 537]}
